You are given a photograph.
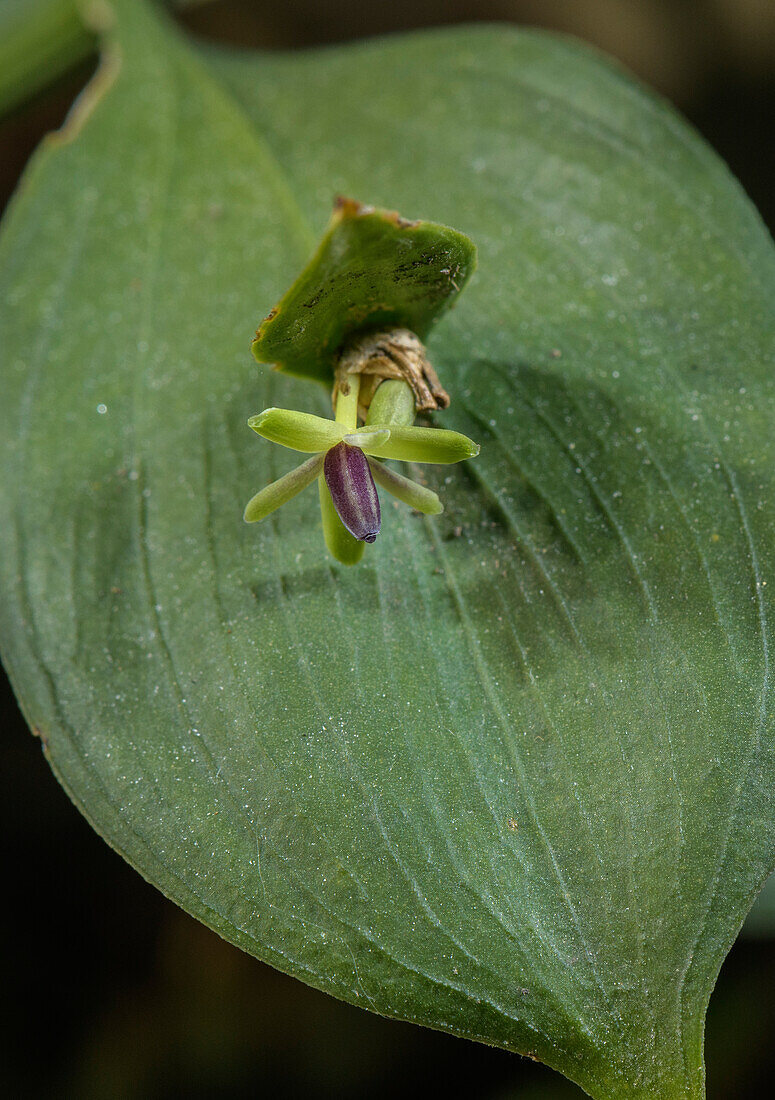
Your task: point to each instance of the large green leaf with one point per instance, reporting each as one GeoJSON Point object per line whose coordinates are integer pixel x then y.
{"type": "Point", "coordinates": [513, 775]}
{"type": "Point", "coordinates": [39, 40]}
{"type": "Point", "coordinates": [42, 39]}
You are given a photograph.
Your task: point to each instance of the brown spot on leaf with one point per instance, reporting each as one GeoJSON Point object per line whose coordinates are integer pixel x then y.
{"type": "Point", "coordinates": [36, 732]}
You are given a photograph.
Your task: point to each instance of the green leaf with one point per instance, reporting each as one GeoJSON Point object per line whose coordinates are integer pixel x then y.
{"type": "Point", "coordinates": [512, 776]}
{"type": "Point", "coordinates": [39, 40]}
{"type": "Point", "coordinates": [42, 39]}
{"type": "Point", "coordinates": [373, 268]}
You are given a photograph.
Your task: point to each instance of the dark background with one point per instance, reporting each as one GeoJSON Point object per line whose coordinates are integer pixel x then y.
{"type": "Point", "coordinates": [111, 990]}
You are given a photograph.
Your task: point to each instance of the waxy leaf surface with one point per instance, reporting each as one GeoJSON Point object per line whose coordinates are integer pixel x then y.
{"type": "Point", "coordinates": [511, 776]}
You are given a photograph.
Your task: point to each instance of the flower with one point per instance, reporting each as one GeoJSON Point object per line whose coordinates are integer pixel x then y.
{"type": "Point", "coordinates": [346, 464]}
{"type": "Point", "coordinates": [355, 319]}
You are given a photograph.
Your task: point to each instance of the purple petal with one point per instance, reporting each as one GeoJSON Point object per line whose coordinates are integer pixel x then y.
{"type": "Point", "coordinates": [353, 491]}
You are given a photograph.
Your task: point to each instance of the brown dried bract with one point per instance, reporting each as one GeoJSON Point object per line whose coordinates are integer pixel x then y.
{"type": "Point", "coordinates": [394, 353]}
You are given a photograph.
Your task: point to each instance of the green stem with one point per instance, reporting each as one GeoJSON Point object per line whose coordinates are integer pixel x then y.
{"type": "Point", "coordinates": [395, 406]}
{"type": "Point", "coordinates": [339, 541]}
{"type": "Point", "coordinates": [347, 404]}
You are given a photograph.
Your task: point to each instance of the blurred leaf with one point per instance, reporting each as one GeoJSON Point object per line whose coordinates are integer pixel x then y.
{"type": "Point", "coordinates": [42, 39]}
{"type": "Point", "coordinates": [39, 40]}
{"type": "Point", "coordinates": [512, 776]}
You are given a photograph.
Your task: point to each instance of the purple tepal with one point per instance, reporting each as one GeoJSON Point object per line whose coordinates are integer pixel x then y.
{"type": "Point", "coordinates": [353, 491]}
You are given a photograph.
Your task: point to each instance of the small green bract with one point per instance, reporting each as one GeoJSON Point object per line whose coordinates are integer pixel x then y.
{"type": "Point", "coordinates": [372, 269]}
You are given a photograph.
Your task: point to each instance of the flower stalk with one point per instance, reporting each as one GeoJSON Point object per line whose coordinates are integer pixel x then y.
{"type": "Point", "coordinates": [342, 539]}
